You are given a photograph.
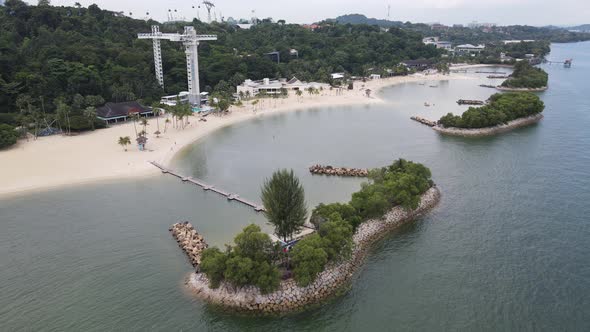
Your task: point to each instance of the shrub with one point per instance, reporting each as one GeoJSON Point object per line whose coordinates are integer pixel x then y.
{"type": "Point", "coordinates": [324, 212]}
{"type": "Point", "coordinates": [337, 238]}
{"type": "Point", "coordinates": [309, 259]}
{"type": "Point", "coordinates": [213, 264]}
{"type": "Point", "coordinates": [8, 136]}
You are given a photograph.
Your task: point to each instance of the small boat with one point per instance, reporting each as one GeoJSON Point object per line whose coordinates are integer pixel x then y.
{"type": "Point", "coordinates": [433, 86]}
{"type": "Point", "coordinates": [426, 104]}
{"type": "Point", "coordinates": [421, 83]}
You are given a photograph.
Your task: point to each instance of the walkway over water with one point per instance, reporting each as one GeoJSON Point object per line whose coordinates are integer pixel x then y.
{"type": "Point", "coordinates": [205, 186]}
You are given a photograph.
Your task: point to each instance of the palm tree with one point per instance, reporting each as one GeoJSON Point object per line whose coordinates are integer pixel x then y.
{"type": "Point", "coordinates": [284, 202]}
{"type": "Point", "coordinates": [368, 93]}
{"type": "Point", "coordinates": [157, 112]}
{"type": "Point", "coordinates": [166, 122]}
{"type": "Point", "coordinates": [255, 103]}
{"type": "Point", "coordinates": [90, 114]}
{"type": "Point", "coordinates": [299, 93]}
{"type": "Point", "coordinates": [134, 117]}
{"type": "Point", "coordinates": [124, 141]}
{"type": "Point", "coordinates": [144, 123]}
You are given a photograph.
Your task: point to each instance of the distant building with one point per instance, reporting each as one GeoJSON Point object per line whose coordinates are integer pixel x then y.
{"type": "Point", "coordinates": [337, 76]}
{"type": "Point", "coordinates": [274, 56]}
{"type": "Point", "coordinates": [438, 43]}
{"type": "Point", "coordinates": [438, 26]}
{"type": "Point", "coordinates": [115, 112]}
{"type": "Point", "coordinates": [294, 53]}
{"type": "Point", "coordinates": [310, 26]}
{"type": "Point", "coordinates": [469, 49]}
{"type": "Point", "coordinates": [244, 26]}
{"type": "Point", "coordinates": [517, 41]}
{"type": "Point", "coordinates": [375, 76]}
{"type": "Point", "coordinates": [273, 87]}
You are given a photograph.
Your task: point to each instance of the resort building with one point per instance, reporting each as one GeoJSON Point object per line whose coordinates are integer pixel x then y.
{"type": "Point", "coordinates": [417, 64]}
{"type": "Point", "coordinates": [273, 87]}
{"type": "Point", "coordinates": [172, 100]}
{"type": "Point", "coordinates": [115, 112]}
{"type": "Point", "coordinates": [469, 49]}
{"type": "Point", "coordinates": [438, 43]}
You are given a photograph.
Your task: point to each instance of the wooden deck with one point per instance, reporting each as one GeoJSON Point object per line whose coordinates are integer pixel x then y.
{"type": "Point", "coordinates": [208, 187]}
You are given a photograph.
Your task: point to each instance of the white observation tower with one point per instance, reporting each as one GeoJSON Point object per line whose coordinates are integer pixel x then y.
{"type": "Point", "coordinates": [191, 40]}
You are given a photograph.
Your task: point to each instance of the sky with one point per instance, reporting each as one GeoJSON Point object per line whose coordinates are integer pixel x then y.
{"type": "Point", "coordinates": [503, 12]}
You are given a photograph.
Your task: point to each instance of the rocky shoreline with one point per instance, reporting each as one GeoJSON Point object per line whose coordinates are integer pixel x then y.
{"type": "Point", "coordinates": [489, 131]}
{"type": "Point", "coordinates": [290, 297]}
{"type": "Point", "coordinates": [338, 171]}
{"type": "Point", "coordinates": [191, 242]}
{"type": "Point", "coordinates": [503, 88]}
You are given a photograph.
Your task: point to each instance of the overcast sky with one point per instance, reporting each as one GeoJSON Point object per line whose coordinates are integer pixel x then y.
{"type": "Point", "coordinates": [532, 12]}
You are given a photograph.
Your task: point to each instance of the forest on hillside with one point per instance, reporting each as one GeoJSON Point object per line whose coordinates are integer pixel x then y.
{"type": "Point", "coordinates": [50, 55]}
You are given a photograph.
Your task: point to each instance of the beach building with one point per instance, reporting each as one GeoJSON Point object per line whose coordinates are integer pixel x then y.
{"type": "Point", "coordinates": [115, 112]}
{"type": "Point", "coordinates": [438, 43]}
{"type": "Point", "coordinates": [469, 49]}
{"type": "Point", "coordinates": [417, 64]}
{"type": "Point", "coordinates": [273, 87]}
{"type": "Point", "coordinates": [172, 100]}
{"type": "Point", "coordinates": [375, 76]}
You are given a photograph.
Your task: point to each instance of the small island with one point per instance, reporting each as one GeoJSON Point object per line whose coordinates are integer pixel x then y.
{"type": "Point", "coordinates": [525, 78]}
{"type": "Point", "coordinates": [259, 275]}
{"type": "Point", "coordinates": [503, 112]}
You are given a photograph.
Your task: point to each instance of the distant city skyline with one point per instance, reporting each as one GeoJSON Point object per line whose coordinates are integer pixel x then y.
{"type": "Point", "coordinates": [502, 12]}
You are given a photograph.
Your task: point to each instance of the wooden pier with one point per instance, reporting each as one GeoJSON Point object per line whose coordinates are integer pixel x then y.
{"type": "Point", "coordinates": [497, 76]}
{"type": "Point", "coordinates": [491, 72]}
{"type": "Point", "coordinates": [208, 187]}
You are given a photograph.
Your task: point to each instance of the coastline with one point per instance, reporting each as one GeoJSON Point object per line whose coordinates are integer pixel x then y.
{"type": "Point", "coordinates": [502, 88]}
{"type": "Point", "coordinates": [44, 163]}
{"type": "Point", "coordinates": [329, 283]}
{"type": "Point", "coordinates": [490, 131]}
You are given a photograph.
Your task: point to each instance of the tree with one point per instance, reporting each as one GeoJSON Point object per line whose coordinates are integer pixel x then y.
{"type": "Point", "coordinates": [8, 136]}
{"type": "Point", "coordinates": [144, 122]}
{"type": "Point", "coordinates": [284, 202]}
{"type": "Point", "coordinates": [90, 114]}
{"type": "Point", "coordinates": [166, 122]}
{"type": "Point", "coordinates": [309, 259]}
{"type": "Point", "coordinates": [253, 243]}
{"type": "Point", "coordinates": [337, 238]}
{"type": "Point", "coordinates": [124, 141]}
{"type": "Point", "coordinates": [43, 3]}
{"type": "Point", "coordinates": [213, 264]}
{"type": "Point", "coordinates": [299, 93]}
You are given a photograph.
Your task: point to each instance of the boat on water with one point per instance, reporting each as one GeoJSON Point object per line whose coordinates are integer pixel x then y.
{"type": "Point", "coordinates": [426, 104]}
{"type": "Point", "coordinates": [433, 86]}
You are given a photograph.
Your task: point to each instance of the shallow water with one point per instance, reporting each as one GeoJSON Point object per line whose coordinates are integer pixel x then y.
{"type": "Point", "coordinates": [506, 249]}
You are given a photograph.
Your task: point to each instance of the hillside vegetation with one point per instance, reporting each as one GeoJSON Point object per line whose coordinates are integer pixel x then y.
{"type": "Point", "coordinates": [502, 107]}
{"type": "Point", "coordinates": [526, 76]}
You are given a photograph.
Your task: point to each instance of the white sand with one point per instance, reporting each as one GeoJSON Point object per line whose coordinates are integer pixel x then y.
{"type": "Point", "coordinates": [55, 161]}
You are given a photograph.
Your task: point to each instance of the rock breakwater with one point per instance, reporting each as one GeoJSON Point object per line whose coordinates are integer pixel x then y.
{"type": "Point", "coordinates": [191, 242]}
{"type": "Point", "coordinates": [338, 171]}
{"type": "Point", "coordinates": [424, 121]}
{"type": "Point", "coordinates": [291, 297]}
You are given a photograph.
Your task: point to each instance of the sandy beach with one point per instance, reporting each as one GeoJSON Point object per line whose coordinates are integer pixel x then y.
{"type": "Point", "coordinates": [55, 161]}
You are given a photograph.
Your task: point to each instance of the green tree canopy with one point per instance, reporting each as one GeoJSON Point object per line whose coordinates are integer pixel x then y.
{"type": "Point", "coordinates": [284, 202]}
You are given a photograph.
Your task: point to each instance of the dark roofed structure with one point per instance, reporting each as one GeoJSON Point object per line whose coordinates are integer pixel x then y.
{"type": "Point", "coordinates": [121, 111]}
{"type": "Point", "coordinates": [418, 64]}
